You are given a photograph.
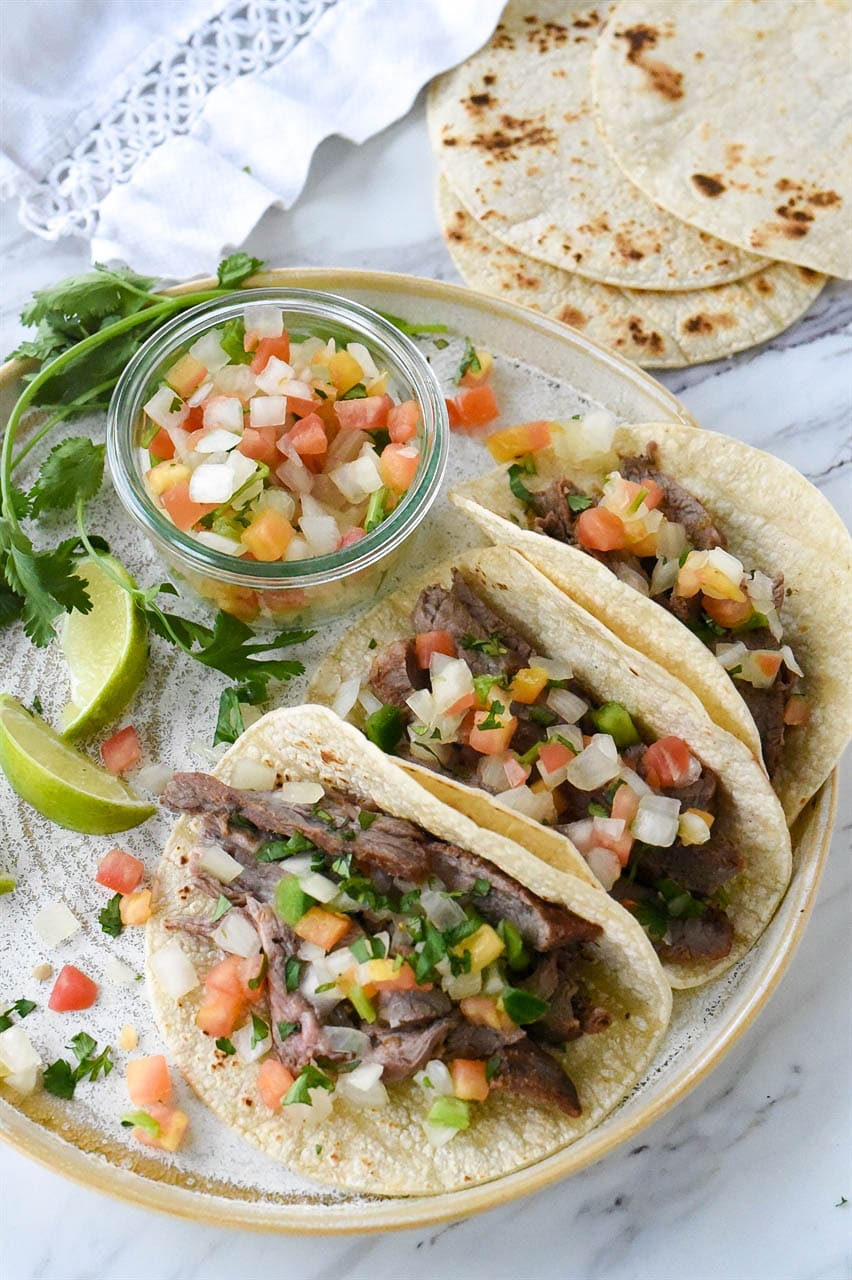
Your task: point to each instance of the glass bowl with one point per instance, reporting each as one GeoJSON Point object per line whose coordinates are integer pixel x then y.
{"type": "Point", "coordinates": [281, 593]}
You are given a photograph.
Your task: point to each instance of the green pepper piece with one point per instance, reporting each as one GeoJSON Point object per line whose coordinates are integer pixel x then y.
{"type": "Point", "coordinates": [384, 727]}
{"type": "Point", "coordinates": [614, 719]}
{"type": "Point", "coordinates": [291, 901]}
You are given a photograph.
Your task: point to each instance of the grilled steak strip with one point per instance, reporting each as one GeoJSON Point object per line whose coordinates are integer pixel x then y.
{"type": "Point", "coordinates": [461, 612]}
{"type": "Point", "coordinates": [531, 1072]}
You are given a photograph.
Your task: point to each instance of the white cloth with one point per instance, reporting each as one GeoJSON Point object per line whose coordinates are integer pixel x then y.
{"type": "Point", "coordinates": [164, 131]}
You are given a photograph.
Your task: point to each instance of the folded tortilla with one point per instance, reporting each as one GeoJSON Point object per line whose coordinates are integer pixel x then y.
{"type": "Point", "coordinates": [558, 628]}
{"type": "Point", "coordinates": [385, 1150]}
{"type": "Point", "coordinates": [775, 521]}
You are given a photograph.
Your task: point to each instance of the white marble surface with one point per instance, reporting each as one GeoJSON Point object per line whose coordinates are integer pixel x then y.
{"type": "Point", "coordinates": [744, 1179]}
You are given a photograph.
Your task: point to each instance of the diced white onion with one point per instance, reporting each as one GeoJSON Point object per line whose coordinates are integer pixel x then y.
{"type": "Point", "coordinates": [428, 750]}
{"type": "Point", "coordinates": [322, 534]}
{"type": "Point", "coordinates": [567, 705]}
{"type": "Point", "coordinates": [356, 480]}
{"type": "Point", "coordinates": [605, 865]}
{"type": "Point", "coordinates": [451, 680]}
{"type": "Point", "coordinates": [692, 828]}
{"type": "Point", "coordinates": [241, 1040]}
{"type": "Point", "coordinates": [439, 1135]}
{"type": "Point", "coordinates": [337, 961]}
{"type": "Point", "coordinates": [218, 542]}
{"type": "Point", "coordinates": [461, 985]}
{"type": "Point", "coordinates": [235, 380]}
{"type": "Point", "coordinates": [19, 1062]}
{"type": "Point", "coordinates": [351, 1040]}
{"type": "Point", "coordinates": [369, 701]}
{"type": "Point", "coordinates": [598, 431]}
{"type": "Point", "coordinates": [634, 781]}
{"type": "Point", "coordinates": [572, 733]}
{"type": "Point", "coordinates": [174, 970]}
{"type": "Point", "coordinates": [556, 669]}
{"type": "Point", "coordinates": [153, 777]}
{"type": "Point", "coordinates": [55, 923]}
{"type": "Point", "coordinates": [692, 773]}
{"type": "Point", "coordinates": [274, 377]}
{"type": "Point", "coordinates": [375, 1096]}
{"type": "Point", "coordinates": [212, 755]}
{"type": "Point", "coordinates": [656, 820]}
{"type": "Point", "coordinates": [252, 775]}
{"type": "Point", "coordinates": [218, 863]}
{"type": "Point", "coordinates": [217, 440]}
{"type": "Point", "coordinates": [607, 828]}
{"type": "Point", "coordinates": [595, 765]}
{"type": "Point", "coordinates": [242, 468]}
{"type": "Point", "coordinates": [552, 778]}
{"type": "Point", "coordinates": [159, 408]}
{"type": "Point", "coordinates": [491, 772]}
{"type": "Point", "coordinates": [435, 1079]}
{"type": "Point", "coordinates": [422, 704]}
{"type": "Point", "coordinates": [236, 935]}
{"type": "Point", "coordinates": [225, 412]}
{"type": "Point", "coordinates": [316, 975]}
{"type": "Point", "coordinates": [790, 660]}
{"type": "Point", "coordinates": [294, 474]}
{"type": "Point", "coordinates": [359, 352]}
{"type": "Point", "coordinates": [297, 549]}
{"type": "Point", "coordinates": [537, 805]}
{"type": "Point", "coordinates": [664, 576]}
{"type": "Point", "coordinates": [671, 540]}
{"type": "Point", "coordinates": [731, 655]}
{"type": "Point", "coordinates": [278, 500]}
{"type": "Point", "coordinates": [301, 792]}
{"type": "Point", "coordinates": [200, 394]}
{"type": "Point", "coordinates": [346, 697]}
{"type": "Point", "coordinates": [212, 482]}
{"type": "Point", "coordinates": [118, 972]}
{"type": "Point", "coordinates": [208, 351]}
{"type": "Point", "coordinates": [263, 320]}
{"type": "Point", "coordinates": [727, 564]}
{"type": "Point", "coordinates": [318, 886]}
{"type": "Point", "coordinates": [443, 912]}
{"type": "Point", "coordinates": [581, 834]}
{"type": "Point", "coordinates": [297, 389]}
{"type": "Point", "coordinates": [267, 411]}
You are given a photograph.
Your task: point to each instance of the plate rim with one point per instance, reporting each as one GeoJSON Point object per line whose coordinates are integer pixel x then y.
{"type": "Point", "coordinates": [49, 1149]}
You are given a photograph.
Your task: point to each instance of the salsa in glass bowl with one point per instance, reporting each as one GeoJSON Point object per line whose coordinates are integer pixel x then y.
{"type": "Point", "coordinates": [279, 449]}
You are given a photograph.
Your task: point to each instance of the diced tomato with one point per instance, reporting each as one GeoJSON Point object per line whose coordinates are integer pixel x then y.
{"type": "Point", "coordinates": [323, 928]}
{"type": "Point", "coordinates": [307, 437]}
{"type": "Point", "coordinates": [135, 908]}
{"type": "Point", "coordinates": [625, 803]}
{"type": "Point", "coordinates": [469, 1082]}
{"type": "Point", "coordinates": [666, 763]}
{"type": "Point", "coordinates": [453, 414]}
{"type": "Point", "coordinates": [120, 871]}
{"type": "Point", "coordinates": [429, 642]}
{"type": "Point", "coordinates": [259, 443]}
{"type": "Point", "coordinates": [268, 536]}
{"type": "Point", "coordinates": [598, 529]}
{"type": "Point", "coordinates": [267, 347]}
{"type": "Point", "coordinates": [72, 991]}
{"type": "Point", "coordinates": [194, 419]}
{"type": "Point", "coordinates": [464, 703]}
{"type": "Point", "coordinates": [162, 446]}
{"type": "Point", "coordinates": [516, 773]}
{"type": "Point", "coordinates": [232, 976]}
{"type": "Point", "coordinates": [402, 421]}
{"type": "Point", "coordinates": [491, 742]}
{"type": "Point", "coordinates": [555, 755]}
{"type": "Point", "coordinates": [219, 1013]}
{"type": "Point", "coordinates": [122, 751]}
{"type": "Point", "coordinates": [301, 408]}
{"type": "Point", "coordinates": [398, 464]}
{"type": "Point", "coordinates": [727, 613]}
{"type": "Point", "coordinates": [797, 710]}
{"type": "Point", "coordinates": [186, 374]}
{"type": "Point", "coordinates": [173, 1126]}
{"type": "Point", "coordinates": [351, 536]}
{"type": "Point", "coordinates": [148, 1080]}
{"type": "Point", "coordinates": [514, 442]}
{"type": "Point", "coordinates": [477, 406]}
{"type": "Point", "coordinates": [366, 414]}
{"type": "Point", "coordinates": [183, 511]}
{"type": "Point", "coordinates": [274, 1082]}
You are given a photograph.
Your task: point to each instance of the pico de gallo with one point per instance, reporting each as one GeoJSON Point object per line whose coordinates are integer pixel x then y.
{"type": "Point", "coordinates": [271, 447]}
{"type": "Point", "coordinates": [663, 542]}
{"type": "Point", "coordinates": [360, 951]}
{"type": "Point", "coordinates": [465, 694]}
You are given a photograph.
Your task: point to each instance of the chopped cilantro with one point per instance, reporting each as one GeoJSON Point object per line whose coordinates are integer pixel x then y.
{"type": "Point", "coordinates": [109, 917]}
{"type": "Point", "coordinates": [222, 907]}
{"type": "Point", "coordinates": [516, 483]}
{"type": "Point", "coordinates": [481, 887]}
{"type": "Point", "coordinates": [310, 1077]}
{"type": "Point", "coordinates": [492, 1068]}
{"type": "Point", "coordinates": [141, 1120]}
{"type": "Point", "coordinates": [366, 818]}
{"type": "Point", "coordinates": [491, 721]}
{"type": "Point", "coordinates": [579, 502]}
{"type": "Point", "coordinates": [229, 721]}
{"type": "Point", "coordinates": [259, 1030]}
{"type": "Point", "coordinates": [286, 1029]}
{"type": "Point", "coordinates": [517, 956]}
{"type": "Point", "coordinates": [60, 1078]}
{"type": "Point", "coordinates": [470, 362]}
{"type": "Point", "coordinates": [278, 850]}
{"type": "Point", "coordinates": [492, 645]}
{"type": "Point", "coordinates": [596, 810]}
{"type": "Point", "coordinates": [358, 392]}
{"type": "Point", "coordinates": [224, 1045]}
{"type": "Point", "coordinates": [292, 972]}
{"type": "Point", "coordinates": [376, 509]}
{"type": "Point", "coordinates": [254, 983]}
{"type": "Point", "coordinates": [21, 1007]}
{"type": "Point", "coordinates": [522, 1006]}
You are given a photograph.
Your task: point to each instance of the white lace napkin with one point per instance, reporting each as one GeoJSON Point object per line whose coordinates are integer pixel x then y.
{"type": "Point", "coordinates": [163, 131]}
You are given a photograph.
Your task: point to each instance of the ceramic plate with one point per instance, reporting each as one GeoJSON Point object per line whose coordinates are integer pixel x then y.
{"type": "Point", "coordinates": [543, 370]}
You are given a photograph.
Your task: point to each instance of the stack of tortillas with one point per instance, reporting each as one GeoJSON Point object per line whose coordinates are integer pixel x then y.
{"type": "Point", "coordinates": [672, 177]}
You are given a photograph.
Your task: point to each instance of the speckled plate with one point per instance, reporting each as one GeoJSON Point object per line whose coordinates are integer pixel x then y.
{"type": "Point", "coordinates": [543, 370]}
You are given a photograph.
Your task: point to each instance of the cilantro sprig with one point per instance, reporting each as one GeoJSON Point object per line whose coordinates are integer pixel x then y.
{"type": "Point", "coordinates": [61, 1079]}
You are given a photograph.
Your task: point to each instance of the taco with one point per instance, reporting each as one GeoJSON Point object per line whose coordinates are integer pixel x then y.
{"type": "Point", "coordinates": [510, 702]}
{"type": "Point", "coordinates": [718, 561]}
{"type": "Point", "coordinates": [393, 1000]}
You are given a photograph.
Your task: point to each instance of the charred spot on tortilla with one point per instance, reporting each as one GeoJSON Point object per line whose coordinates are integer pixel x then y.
{"type": "Point", "coordinates": [708, 185]}
{"type": "Point", "coordinates": [652, 341]}
{"type": "Point", "coordinates": [515, 134]}
{"type": "Point", "coordinates": [570, 315]}
{"type": "Point", "coordinates": [639, 38]}
{"type": "Point", "coordinates": [764, 286]}
{"type": "Point", "coordinates": [502, 39]}
{"type": "Point", "coordinates": [702, 323]}
{"type": "Point", "coordinates": [477, 101]}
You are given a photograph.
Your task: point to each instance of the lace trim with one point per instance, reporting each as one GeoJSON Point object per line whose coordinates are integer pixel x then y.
{"type": "Point", "coordinates": [166, 99]}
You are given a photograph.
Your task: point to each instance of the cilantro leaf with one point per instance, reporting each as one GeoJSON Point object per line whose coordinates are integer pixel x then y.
{"type": "Point", "coordinates": [259, 1030]}
{"type": "Point", "coordinates": [223, 1044]}
{"type": "Point", "coordinates": [87, 298]}
{"type": "Point", "coordinates": [229, 721]}
{"type": "Point", "coordinates": [73, 469]}
{"type": "Point", "coordinates": [223, 906]}
{"type": "Point", "coordinates": [236, 268]}
{"type": "Point", "coordinates": [470, 362]}
{"type": "Point", "coordinates": [58, 1079]}
{"type": "Point", "coordinates": [109, 918]}
{"type": "Point", "coordinates": [579, 502]}
{"type": "Point", "coordinates": [21, 1007]}
{"type": "Point", "coordinates": [492, 645]}
{"type": "Point", "coordinates": [516, 484]}
{"type": "Point", "coordinates": [43, 579]}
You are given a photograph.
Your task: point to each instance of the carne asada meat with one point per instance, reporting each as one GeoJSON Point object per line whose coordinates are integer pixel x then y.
{"type": "Point", "coordinates": [395, 674]}
{"type": "Point", "coordinates": [700, 868]}
{"type": "Point", "coordinates": [706, 938]}
{"type": "Point", "coordinates": [470, 620]}
{"type": "Point", "coordinates": [677, 505]}
{"type": "Point", "coordinates": [553, 515]}
{"type": "Point", "coordinates": [406, 1017]}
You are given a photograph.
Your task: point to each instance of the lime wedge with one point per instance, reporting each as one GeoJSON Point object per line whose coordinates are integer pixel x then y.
{"type": "Point", "coordinates": [106, 650]}
{"type": "Point", "coordinates": [60, 782]}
